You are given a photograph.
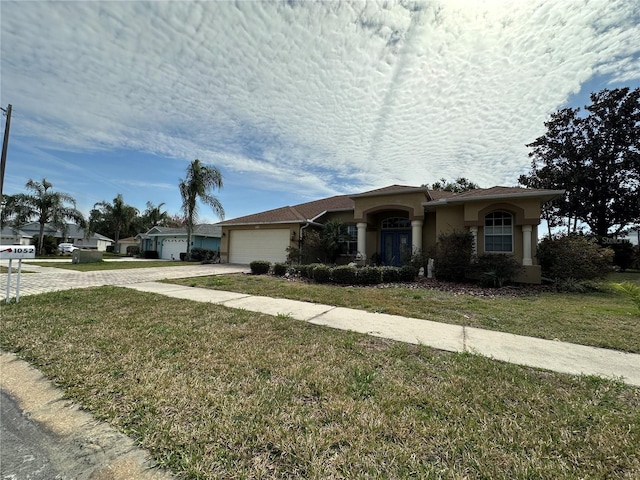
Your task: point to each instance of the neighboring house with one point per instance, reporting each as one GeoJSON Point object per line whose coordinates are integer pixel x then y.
{"type": "Point", "coordinates": [74, 234]}
{"type": "Point", "coordinates": [171, 242]}
{"type": "Point", "coordinates": [387, 223]}
{"type": "Point", "coordinates": [9, 236]}
{"type": "Point", "coordinates": [125, 243]}
{"type": "Point", "coordinates": [633, 236]}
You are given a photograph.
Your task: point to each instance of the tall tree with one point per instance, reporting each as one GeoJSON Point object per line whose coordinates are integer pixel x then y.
{"type": "Point", "coordinates": [199, 182]}
{"type": "Point", "coordinates": [154, 216]}
{"type": "Point", "coordinates": [595, 157]}
{"type": "Point", "coordinates": [46, 207]}
{"type": "Point", "coordinates": [116, 216]}
{"type": "Point", "coordinates": [461, 184]}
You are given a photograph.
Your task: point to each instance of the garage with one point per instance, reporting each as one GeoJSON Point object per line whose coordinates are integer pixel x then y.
{"type": "Point", "coordinates": [173, 247]}
{"type": "Point", "coordinates": [246, 246]}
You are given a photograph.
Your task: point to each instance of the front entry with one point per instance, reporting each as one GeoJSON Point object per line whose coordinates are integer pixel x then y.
{"type": "Point", "coordinates": [396, 246]}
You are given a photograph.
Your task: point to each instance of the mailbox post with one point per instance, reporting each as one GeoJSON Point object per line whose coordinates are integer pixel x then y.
{"type": "Point", "coordinates": [15, 252]}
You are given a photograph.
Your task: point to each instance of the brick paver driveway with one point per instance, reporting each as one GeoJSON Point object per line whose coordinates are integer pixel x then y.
{"type": "Point", "coordinates": [50, 279]}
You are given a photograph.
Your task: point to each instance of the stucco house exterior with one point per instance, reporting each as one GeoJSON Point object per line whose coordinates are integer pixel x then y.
{"type": "Point", "coordinates": [387, 223]}
{"type": "Point", "coordinates": [73, 234]}
{"type": "Point", "coordinates": [170, 242]}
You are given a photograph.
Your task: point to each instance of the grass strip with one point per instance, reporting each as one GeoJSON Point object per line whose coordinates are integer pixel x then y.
{"type": "Point", "coordinates": [112, 265]}
{"type": "Point", "coordinates": [600, 319]}
{"type": "Point", "coordinates": [221, 393]}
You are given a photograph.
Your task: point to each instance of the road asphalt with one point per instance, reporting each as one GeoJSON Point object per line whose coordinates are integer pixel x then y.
{"type": "Point", "coordinates": [55, 439]}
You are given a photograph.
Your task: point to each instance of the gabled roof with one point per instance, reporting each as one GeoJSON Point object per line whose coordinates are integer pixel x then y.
{"type": "Point", "coordinates": [10, 232]}
{"type": "Point", "coordinates": [301, 213]}
{"type": "Point", "coordinates": [495, 193]}
{"type": "Point", "coordinates": [391, 190]}
{"type": "Point", "coordinates": [73, 231]}
{"type": "Point", "coordinates": [203, 230]}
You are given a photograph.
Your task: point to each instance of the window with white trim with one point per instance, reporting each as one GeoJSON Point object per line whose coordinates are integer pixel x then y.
{"type": "Point", "coordinates": [498, 232]}
{"type": "Point", "coordinates": [349, 241]}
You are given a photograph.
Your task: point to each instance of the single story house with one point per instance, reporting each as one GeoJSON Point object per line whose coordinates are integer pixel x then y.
{"type": "Point", "coordinates": [171, 242]}
{"type": "Point", "coordinates": [74, 234]}
{"type": "Point", "coordinates": [9, 236]}
{"type": "Point", "coordinates": [388, 222]}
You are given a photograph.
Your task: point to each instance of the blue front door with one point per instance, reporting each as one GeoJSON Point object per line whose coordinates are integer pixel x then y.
{"type": "Point", "coordinates": [396, 246]}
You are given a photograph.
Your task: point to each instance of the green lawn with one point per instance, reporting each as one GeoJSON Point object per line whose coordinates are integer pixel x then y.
{"type": "Point", "coordinates": [115, 265]}
{"type": "Point", "coordinates": [603, 319]}
{"type": "Point", "coordinates": [221, 393]}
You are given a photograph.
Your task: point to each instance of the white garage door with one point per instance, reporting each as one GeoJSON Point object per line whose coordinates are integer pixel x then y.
{"type": "Point", "coordinates": [249, 245]}
{"type": "Point", "coordinates": [173, 246]}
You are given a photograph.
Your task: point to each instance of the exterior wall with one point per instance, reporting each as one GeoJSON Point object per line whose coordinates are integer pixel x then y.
{"type": "Point", "coordinates": [411, 203]}
{"type": "Point", "coordinates": [449, 219]}
{"type": "Point", "coordinates": [210, 243]}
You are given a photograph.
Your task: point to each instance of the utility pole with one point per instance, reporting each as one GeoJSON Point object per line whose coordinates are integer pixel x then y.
{"type": "Point", "coordinates": [5, 145]}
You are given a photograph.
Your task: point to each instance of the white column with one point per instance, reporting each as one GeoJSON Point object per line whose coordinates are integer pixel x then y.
{"type": "Point", "coordinates": [362, 239]}
{"type": "Point", "coordinates": [416, 236]}
{"type": "Point", "coordinates": [526, 245]}
{"type": "Point", "coordinates": [474, 233]}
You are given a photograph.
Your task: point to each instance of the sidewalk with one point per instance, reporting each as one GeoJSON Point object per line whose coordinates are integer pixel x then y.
{"type": "Point", "coordinates": [533, 352]}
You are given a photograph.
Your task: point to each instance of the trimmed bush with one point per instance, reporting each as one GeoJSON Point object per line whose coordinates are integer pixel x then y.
{"type": "Point", "coordinates": [495, 269]}
{"type": "Point", "coordinates": [370, 275]}
{"type": "Point", "coordinates": [279, 269]}
{"type": "Point", "coordinates": [344, 275]}
{"type": "Point", "coordinates": [408, 273]}
{"type": "Point", "coordinates": [321, 273]}
{"type": "Point", "coordinates": [390, 274]}
{"type": "Point", "coordinates": [575, 257]}
{"type": "Point", "coordinates": [259, 267]}
{"type": "Point", "coordinates": [453, 256]}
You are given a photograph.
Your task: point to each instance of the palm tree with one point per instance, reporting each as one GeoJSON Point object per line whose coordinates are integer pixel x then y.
{"type": "Point", "coordinates": [201, 179]}
{"type": "Point", "coordinates": [155, 216]}
{"type": "Point", "coordinates": [118, 214]}
{"type": "Point", "coordinates": [47, 207]}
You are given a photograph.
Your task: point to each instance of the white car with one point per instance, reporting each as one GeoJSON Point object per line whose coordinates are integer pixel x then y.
{"type": "Point", "coordinates": [66, 248]}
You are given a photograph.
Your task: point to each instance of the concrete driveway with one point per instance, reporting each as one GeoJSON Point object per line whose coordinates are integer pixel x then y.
{"type": "Point", "coordinates": [51, 279]}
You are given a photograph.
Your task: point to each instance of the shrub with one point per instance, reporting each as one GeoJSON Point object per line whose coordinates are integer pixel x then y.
{"type": "Point", "coordinates": [369, 275]}
{"type": "Point", "coordinates": [321, 273]}
{"type": "Point", "coordinates": [202, 254]}
{"type": "Point", "coordinates": [133, 250]}
{"type": "Point", "coordinates": [574, 256]}
{"type": "Point", "coordinates": [150, 254]}
{"type": "Point", "coordinates": [279, 269]}
{"type": "Point", "coordinates": [408, 273]}
{"type": "Point", "coordinates": [390, 274]}
{"type": "Point", "coordinates": [259, 267]}
{"type": "Point", "coordinates": [623, 254]}
{"type": "Point", "coordinates": [453, 256]}
{"type": "Point", "coordinates": [495, 270]}
{"type": "Point", "coordinates": [344, 275]}
{"type": "Point", "coordinates": [306, 271]}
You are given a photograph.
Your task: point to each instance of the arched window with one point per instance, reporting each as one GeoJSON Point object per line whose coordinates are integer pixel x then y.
{"type": "Point", "coordinates": [498, 232]}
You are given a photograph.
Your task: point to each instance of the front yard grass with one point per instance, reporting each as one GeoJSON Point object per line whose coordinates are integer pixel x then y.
{"type": "Point", "coordinates": [601, 319]}
{"type": "Point", "coordinates": [221, 393]}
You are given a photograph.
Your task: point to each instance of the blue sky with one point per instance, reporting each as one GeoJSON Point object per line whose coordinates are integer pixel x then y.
{"type": "Point", "coordinates": [299, 100]}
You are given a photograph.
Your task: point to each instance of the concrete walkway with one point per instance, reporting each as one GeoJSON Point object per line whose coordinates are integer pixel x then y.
{"type": "Point", "coordinates": [534, 352]}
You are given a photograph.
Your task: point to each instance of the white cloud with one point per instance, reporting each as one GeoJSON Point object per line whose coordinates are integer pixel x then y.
{"type": "Point", "coordinates": [321, 96]}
